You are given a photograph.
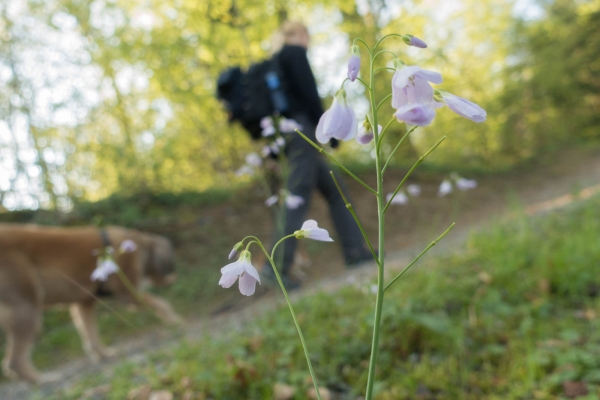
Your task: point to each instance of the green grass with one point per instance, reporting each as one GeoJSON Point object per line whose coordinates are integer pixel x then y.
{"type": "Point", "coordinates": [513, 315]}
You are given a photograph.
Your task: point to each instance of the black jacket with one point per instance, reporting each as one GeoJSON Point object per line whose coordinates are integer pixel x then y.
{"type": "Point", "coordinates": [299, 83]}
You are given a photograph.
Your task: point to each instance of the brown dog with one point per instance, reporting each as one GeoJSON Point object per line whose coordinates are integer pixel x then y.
{"type": "Point", "coordinates": [42, 266]}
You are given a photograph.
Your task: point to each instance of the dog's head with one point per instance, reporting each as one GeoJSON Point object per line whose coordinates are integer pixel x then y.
{"type": "Point", "coordinates": [158, 261]}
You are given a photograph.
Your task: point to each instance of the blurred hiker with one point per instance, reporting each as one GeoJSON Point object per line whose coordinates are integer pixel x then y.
{"type": "Point", "coordinates": [308, 169]}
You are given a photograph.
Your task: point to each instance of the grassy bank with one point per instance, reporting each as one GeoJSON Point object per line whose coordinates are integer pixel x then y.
{"type": "Point", "coordinates": [514, 315]}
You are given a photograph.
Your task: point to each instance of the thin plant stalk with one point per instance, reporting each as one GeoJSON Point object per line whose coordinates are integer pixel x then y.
{"type": "Point", "coordinates": [289, 304]}
{"type": "Point", "coordinates": [419, 256]}
{"type": "Point", "coordinates": [381, 220]}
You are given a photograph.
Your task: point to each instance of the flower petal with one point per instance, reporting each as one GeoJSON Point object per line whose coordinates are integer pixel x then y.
{"type": "Point", "coordinates": [402, 75]}
{"type": "Point", "coordinates": [416, 114]}
{"type": "Point", "coordinates": [464, 107]}
{"type": "Point", "coordinates": [250, 270]}
{"type": "Point", "coordinates": [235, 268]}
{"type": "Point", "coordinates": [319, 234]}
{"type": "Point", "coordinates": [309, 224]}
{"type": "Point", "coordinates": [430, 76]}
{"type": "Point", "coordinates": [228, 280]}
{"type": "Point", "coordinates": [247, 285]}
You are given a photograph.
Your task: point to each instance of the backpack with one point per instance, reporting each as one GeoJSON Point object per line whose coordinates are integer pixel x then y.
{"type": "Point", "coordinates": [252, 95]}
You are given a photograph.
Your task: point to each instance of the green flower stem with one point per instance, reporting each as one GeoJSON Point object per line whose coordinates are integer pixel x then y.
{"type": "Point", "coordinates": [380, 264]}
{"type": "Point", "coordinates": [419, 161]}
{"type": "Point", "coordinates": [351, 209]}
{"type": "Point", "coordinates": [363, 43]}
{"type": "Point", "coordinates": [289, 303]}
{"type": "Point", "coordinates": [381, 102]}
{"type": "Point", "coordinates": [381, 40]}
{"type": "Point", "coordinates": [397, 146]}
{"type": "Point", "coordinates": [419, 256]}
{"type": "Point", "coordinates": [383, 132]}
{"type": "Point", "coordinates": [130, 286]}
{"type": "Point", "coordinates": [364, 84]}
{"type": "Point", "coordinates": [249, 237]}
{"type": "Point", "coordinates": [278, 243]}
{"type": "Point", "coordinates": [386, 68]}
{"type": "Point", "coordinates": [321, 150]}
{"type": "Point", "coordinates": [383, 52]}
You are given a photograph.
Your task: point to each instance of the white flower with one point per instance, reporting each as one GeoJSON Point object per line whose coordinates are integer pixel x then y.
{"type": "Point", "coordinates": [466, 184]}
{"type": "Point", "coordinates": [414, 190]}
{"type": "Point", "coordinates": [271, 200]}
{"type": "Point", "coordinates": [400, 198]}
{"type": "Point", "coordinates": [311, 230]}
{"type": "Point", "coordinates": [243, 269]}
{"type": "Point", "coordinates": [244, 170]}
{"type": "Point", "coordinates": [103, 269]}
{"type": "Point", "coordinates": [292, 201]}
{"type": "Point", "coordinates": [127, 246]}
{"type": "Point", "coordinates": [253, 159]}
{"type": "Point", "coordinates": [288, 125]}
{"type": "Point", "coordinates": [267, 126]}
{"type": "Point", "coordinates": [445, 188]}
{"type": "Point", "coordinates": [339, 122]}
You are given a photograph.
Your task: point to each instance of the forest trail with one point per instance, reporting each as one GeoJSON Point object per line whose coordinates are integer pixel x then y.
{"type": "Point", "coordinates": [573, 176]}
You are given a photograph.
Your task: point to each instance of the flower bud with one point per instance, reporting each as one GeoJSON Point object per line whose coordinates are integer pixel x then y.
{"type": "Point", "coordinates": [235, 250]}
{"type": "Point", "coordinates": [354, 63]}
{"type": "Point", "coordinates": [414, 41]}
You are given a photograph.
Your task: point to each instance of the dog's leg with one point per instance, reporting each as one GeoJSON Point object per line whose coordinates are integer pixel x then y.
{"type": "Point", "coordinates": [85, 321]}
{"type": "Point", "coordinates": [162, 309]}
{"type": "Point", "coordinates": [22, 325]}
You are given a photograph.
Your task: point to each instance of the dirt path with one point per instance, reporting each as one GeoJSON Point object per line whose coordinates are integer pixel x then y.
{"type": "Point", "coordinates": [572, 176]}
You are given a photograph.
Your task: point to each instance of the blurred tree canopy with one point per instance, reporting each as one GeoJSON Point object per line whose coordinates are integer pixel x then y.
{"type": "Point", "coordinates": [106, 96]}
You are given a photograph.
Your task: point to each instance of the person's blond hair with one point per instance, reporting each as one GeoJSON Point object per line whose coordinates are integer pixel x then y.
{"type": "Point", "coordinates": [286, 34]}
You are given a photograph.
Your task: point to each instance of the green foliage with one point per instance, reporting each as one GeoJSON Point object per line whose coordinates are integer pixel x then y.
{"type": "Point", "coordinates": [155, 125]}
{"type": "Point", "coordinates": [514, 315]}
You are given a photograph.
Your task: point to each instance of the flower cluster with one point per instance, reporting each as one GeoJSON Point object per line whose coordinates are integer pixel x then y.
{"type": "Point", "coordinates": [291, 200]}
{"type": "Point", "coordinates": [401, 197]}
{"type": "Point", "coordinates": [245, 271]}
{"type": "Point", "coordinates": [253, 161]}
{"type": "Point", "coordinates": [413, 98]}
{"type": "Point", "coordinates": [447, 185]}
{"type": "Point", "coordinates": [105, 265]}
{"type": "Point", "coordinates": [285, 125]}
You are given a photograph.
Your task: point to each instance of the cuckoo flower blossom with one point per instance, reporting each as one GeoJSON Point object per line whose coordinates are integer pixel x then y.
{"type": "Point", "coordinates": [414, 190]}
{"type": "Point", "coordinates": [445, 188]}
{"type": "Point", "coordinates": [291, 200]}
{"type": "Point", "coordinates": [400, 198]}
{"type": "Point", "coordinates": [466, 184]}
{"type": "Point", "coordinates": [415, 114]}
{"type": "Point", "coordinates": [127, 246]}
{"type": "Point", "coordinates": [463, 107]}
{"type": "Point", "coordinates": [104, 268]}
{"type": "Point", "coordinates": [242, 269]}
{"type": "Point", "coordinates": [311, 230]}
{"type": "Point", "coordinates": [412, 95]}
{"type": "Point", "coordinates": [288, 125]}
{"type": "Point", "coordinates": [338, 122]}
{"type": "Point", "coordinates": [354, 63]}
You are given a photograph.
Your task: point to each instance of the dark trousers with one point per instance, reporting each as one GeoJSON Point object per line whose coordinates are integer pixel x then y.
{"type": "Point", "coordinates": [308, 170]}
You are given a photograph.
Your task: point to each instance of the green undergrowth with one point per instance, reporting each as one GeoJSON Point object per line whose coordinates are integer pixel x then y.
{"type": "Point", "coordinates": [512, 315]}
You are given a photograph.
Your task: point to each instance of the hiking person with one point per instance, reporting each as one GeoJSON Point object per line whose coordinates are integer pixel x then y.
{"type": "Point", "coordinates": [308, 168]}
